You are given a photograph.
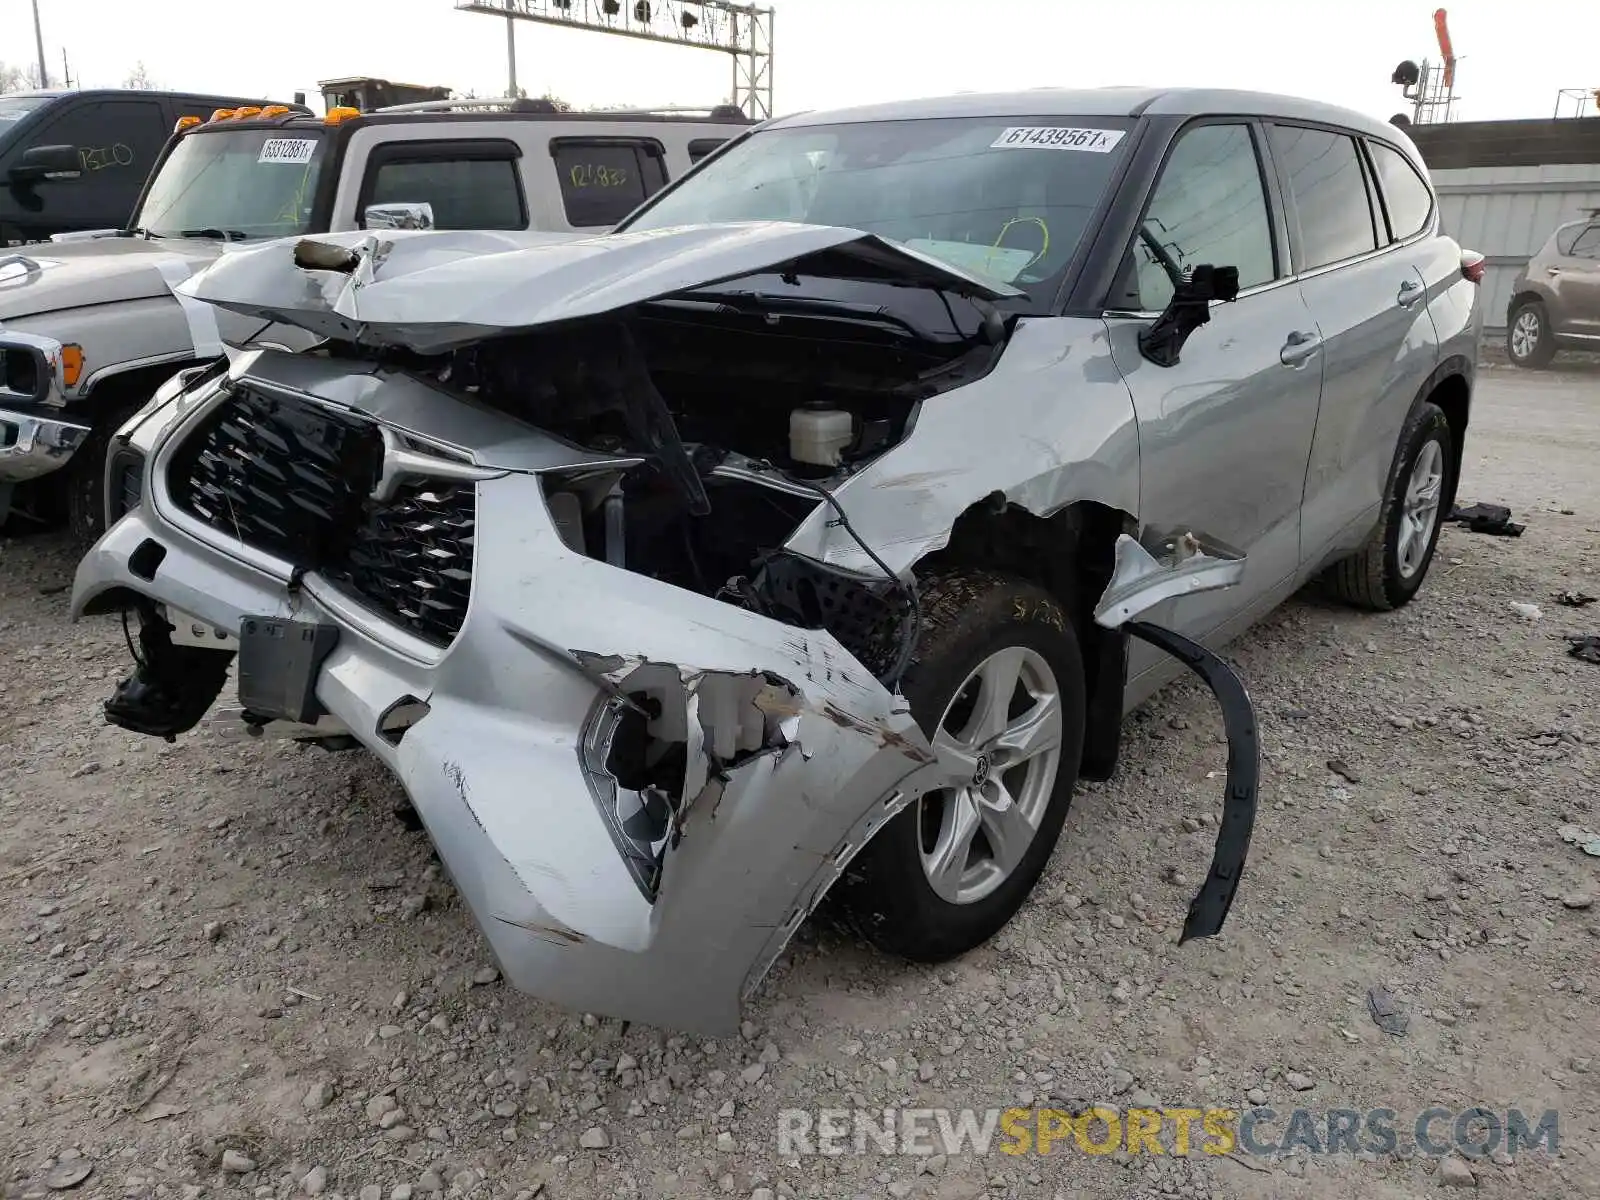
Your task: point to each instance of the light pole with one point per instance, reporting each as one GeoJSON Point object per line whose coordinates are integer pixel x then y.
{"type": "Point", "coordinates": [511, 50]}
{"type": "Point", "coordinates": [38, 39]}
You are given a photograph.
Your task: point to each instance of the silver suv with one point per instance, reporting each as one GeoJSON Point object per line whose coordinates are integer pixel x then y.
{"type": "Point", "coordinates": [829, 514]}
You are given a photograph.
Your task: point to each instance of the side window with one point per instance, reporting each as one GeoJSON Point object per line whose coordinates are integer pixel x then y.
{"type": "Point", "coordinates": [1323, 172]}
{"type": "Point", "coordinates": [466, 189]}
{"type": "Point", "coordinates": [117, 141]}
{"type": "Point", "coordinates": [700, 147]}
{"type": "Point", "coordinates": [1566, 237]}
{"type": "Point", "coordinates": [1587, 244]}
{"type": "Point", "coordinates": [602, 180]}
{"type": "Point", "coordinates": [1209, 206]}
{"type": "Point", "coordinates": [1406, 197]}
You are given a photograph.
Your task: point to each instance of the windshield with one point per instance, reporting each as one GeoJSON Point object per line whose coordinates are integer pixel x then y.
{"type": "Point", "coordinates": [236, 183]}
{"type": "Point", "coordinates": [1005, 199]}
{"type": "Point", "coordinates": [14, 108]}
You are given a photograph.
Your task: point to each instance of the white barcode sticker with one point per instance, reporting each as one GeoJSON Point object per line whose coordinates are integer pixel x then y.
{"type": "Point", "coordinates": [297, 151]}
{"type": "Point", "coordinates": [1054, 137]}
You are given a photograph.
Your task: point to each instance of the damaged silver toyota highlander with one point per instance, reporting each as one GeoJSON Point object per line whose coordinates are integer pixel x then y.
{"type": "Point", "coordinates": [813, 530]}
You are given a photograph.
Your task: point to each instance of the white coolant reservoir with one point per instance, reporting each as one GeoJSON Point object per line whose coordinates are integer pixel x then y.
{"type": "Point", "coordinates": [818, 436]}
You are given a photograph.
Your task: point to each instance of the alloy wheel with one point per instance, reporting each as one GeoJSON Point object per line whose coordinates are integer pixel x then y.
{"type": "Point", "coordinates": [1525, 333]}
{"type": "Point", "coordinates": [1419, 511]}
{"type": "Point", "coordinates": [1000, 740]}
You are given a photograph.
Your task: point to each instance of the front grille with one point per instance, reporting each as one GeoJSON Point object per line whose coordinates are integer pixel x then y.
{"type": "Point", "coordinates": [293, 479]}
{"type": "Point", "coordinates": [415, 552]}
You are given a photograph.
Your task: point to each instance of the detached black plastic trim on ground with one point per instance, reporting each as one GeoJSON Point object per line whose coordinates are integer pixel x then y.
{"type": "Point", "coordinates": [1209, 909]}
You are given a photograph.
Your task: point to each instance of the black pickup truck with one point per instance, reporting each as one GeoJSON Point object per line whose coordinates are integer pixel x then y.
{"type": "Point", "coordinates": [74, 161]}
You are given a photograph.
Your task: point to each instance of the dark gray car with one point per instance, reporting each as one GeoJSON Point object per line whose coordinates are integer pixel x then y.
{"type": "Point", "coordinates": [1555, 302]}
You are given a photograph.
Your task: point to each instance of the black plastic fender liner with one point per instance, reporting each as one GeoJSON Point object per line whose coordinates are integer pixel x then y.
{"type": "Point", "coordinates": [1209, 908]}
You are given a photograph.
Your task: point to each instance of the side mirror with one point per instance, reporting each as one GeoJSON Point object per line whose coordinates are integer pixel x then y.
{"type": "Point", "coordinates": [1189, 308]}
{"type": "Point", "coordinates": [41, 163]}
{"type": "Point", "coordinates": [398, 216]}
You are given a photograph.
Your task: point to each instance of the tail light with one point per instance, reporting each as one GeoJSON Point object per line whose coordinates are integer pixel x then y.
{"type": "Point", "coordinates": [1472, 266]}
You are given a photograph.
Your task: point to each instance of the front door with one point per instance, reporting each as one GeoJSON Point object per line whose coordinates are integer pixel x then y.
{"type": "Point", "coordinates": [117, 142]}
{"type": "Point", "coordinates": [1223, 435]}
{"type": "Point", "coordinates": [1576, 281]}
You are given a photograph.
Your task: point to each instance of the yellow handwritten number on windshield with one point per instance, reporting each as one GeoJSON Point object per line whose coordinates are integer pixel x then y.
{"type": "Point", "coordinates": [1043, 229]}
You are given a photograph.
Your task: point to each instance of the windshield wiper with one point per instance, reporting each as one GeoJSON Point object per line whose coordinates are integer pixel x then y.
{"type": "Point", "coordinates": [221, 235]}
{"type": "Point", "coordinates": [137, 231]}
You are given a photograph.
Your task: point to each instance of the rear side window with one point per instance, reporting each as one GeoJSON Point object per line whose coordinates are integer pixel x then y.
{"type": "Point", "coordinates": [1587, 243]}
{"type": "Point", "coordinates": [1323, 173]}
{"type": "Point", "coordinates": [465, 191]}
{"type": "Point", "coordinates": [1209, 206]}
{"type": "Point", "coordinates": [602, 180]}
{"type": "Point", "coordinates": [1406, 197]}
{"type": "Point", "coordinates": [1565, 238]}
{"type": "Point", "coordinates": [700, 147]}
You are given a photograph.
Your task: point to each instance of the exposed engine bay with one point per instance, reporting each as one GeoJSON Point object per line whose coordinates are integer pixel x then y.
{"type": "Point", "coordinates": [733, 410]}
{"type": "Point", "coordinates": [644, 779]}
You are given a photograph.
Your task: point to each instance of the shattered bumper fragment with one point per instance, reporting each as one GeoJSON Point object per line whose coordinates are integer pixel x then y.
{"type": "Point", "coordinates": [1185, 564]}
{"type": "Point", "coordinates": [639, 792]}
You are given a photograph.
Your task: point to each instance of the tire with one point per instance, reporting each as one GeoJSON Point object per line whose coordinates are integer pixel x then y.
{"type": "Point", "coordinates": [1389, 569]}
{"type": "Point", "coordinates": [969, 618]}
{"type": "Point", "coordinates": [1529, 330]}
{"type": "Point", "coordinates": [85, 473]}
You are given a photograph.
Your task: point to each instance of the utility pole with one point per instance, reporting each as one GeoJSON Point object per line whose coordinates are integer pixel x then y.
{"type": "Point", "coordinates": [38, 39]}
{"type": "Point", "coordinates": [511, 50]}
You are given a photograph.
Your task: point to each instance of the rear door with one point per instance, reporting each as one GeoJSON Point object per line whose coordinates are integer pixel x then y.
{"type": "Point", "coordinates": [1224, 434]}
{"type": "Point", "coordinates": [1363, 284]}
{"type": "Point", "coordinates": [603, 179]}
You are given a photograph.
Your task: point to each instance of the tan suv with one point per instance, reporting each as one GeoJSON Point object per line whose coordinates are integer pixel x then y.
{"type": "Point", "coordinates": [1555, 302]}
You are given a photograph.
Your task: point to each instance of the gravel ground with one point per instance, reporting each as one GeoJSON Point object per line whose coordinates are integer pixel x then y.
{"type": "Point", "coordinates": [228, 969]}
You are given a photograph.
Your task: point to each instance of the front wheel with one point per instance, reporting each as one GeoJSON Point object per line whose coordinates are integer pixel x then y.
{"type": "Point", "coordinates": [1388, 571]}
{"type": "Point", "coordinates": [997, 684]}
{"type": "Point", "coordinates": [86, 473]}
{"type": "Point", "coordinates": [1529, 340]}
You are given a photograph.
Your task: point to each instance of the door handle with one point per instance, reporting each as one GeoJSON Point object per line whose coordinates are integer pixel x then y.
{"type": "Point", "coordinates": [1410, 292]}
{"type": "Point", "coordinates": [1302, 344]}
{"type": "Point", "coordinates": [1552, 270]}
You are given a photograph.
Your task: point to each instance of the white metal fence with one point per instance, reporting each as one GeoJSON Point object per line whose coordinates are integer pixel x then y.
{"type": "Point", "coordinates": [1507, 214]}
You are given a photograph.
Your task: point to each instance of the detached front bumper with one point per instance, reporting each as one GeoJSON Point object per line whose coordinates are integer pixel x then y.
{"type": "Point", "coordinates": [795, 753]}
{"type": "Point", "coordinates": [34, 444]}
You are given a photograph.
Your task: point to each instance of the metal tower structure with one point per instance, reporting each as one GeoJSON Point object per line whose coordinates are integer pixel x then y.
{"type": "Point", "coordinates": [1431, 87]}
{"type": "Point", "coordinates": [1579, 100]}
{"type": "Point", "coordinates": [742, 31]}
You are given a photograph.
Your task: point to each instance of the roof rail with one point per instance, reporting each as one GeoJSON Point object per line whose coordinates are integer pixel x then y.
{"type": "Point", "coordinates": [718, 112]}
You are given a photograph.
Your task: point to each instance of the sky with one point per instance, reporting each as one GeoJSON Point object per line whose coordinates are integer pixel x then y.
{"type": "Point", "coordinates": [1513, 57]}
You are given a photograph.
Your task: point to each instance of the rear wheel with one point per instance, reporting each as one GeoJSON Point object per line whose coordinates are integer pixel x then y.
{"type": "Point", "coordinates": [997, 684]}
{"type": "Point", "coordinates": [1388, 571]}
{"type": "Point", "coordinates": [1529, 340]}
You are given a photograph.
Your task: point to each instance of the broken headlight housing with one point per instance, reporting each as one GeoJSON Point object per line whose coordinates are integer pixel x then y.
{"type": "Point", "coordinates": [618, 763]}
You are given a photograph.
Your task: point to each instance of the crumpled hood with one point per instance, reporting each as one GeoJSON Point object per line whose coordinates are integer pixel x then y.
{"type": "Point", "coordinates": [431, 291]}
{"type": "Point", "coordinates": [107, 270]}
